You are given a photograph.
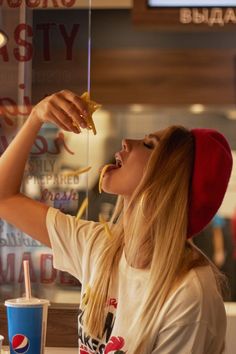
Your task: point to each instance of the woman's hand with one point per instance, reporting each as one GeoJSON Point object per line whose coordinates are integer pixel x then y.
{"type": "Point", "coordinates": [64, 108]}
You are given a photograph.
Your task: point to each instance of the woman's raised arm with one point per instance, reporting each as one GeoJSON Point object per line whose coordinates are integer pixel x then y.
{"type": "Point", "coordinates": [68, 111]}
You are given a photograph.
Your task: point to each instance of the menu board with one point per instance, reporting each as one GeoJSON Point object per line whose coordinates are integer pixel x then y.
{"type": "Point", "coordinates": [192, 3]}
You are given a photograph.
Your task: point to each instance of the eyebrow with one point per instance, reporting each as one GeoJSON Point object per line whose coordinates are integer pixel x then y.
{"type": "Point", "coordinates": [153, 136]}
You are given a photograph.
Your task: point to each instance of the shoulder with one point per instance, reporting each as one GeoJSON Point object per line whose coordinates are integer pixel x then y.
{"type": "Point", "coordinates": [195, 300]}
{"type": "Point", "coordinates": [80, 233]}
{"type": "Point", "coordinates": [65, 222]}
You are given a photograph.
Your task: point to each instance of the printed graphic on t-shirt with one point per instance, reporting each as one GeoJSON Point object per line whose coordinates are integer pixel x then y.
{"type": "Point", "coordinates": [107, 344]}
{"type": "Point", "coordinates": [115, 345]}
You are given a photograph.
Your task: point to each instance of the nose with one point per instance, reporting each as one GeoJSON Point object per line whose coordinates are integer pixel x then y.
{"type": "Point", "coordinates": [125, 144]}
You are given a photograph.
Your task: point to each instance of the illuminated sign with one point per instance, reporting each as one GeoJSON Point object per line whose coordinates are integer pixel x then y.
{"type": "Point", "coordinates": [188, 3]}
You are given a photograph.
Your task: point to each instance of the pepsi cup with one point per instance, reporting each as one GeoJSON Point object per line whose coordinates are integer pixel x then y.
{"type": "Point", "coordinates": [27, 325]}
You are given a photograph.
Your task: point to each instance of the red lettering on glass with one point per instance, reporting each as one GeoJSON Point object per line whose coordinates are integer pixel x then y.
{"type": "Point", "coordinates": [44, 273]}
{"type": "Point", "coordinates": [8, 107]}
{"type": "Point", "coordinates": [8, 275]}
{"type": "Point", "coordinates": [46, 28]}
{"type": "Point", "coordinates": [21, 42]}
{"type": "Point", "coordinates": [69, 39]}
{"type": "Point", "coordinates": [43, 148]}
{"type": "Point", "coordinates": [39, 3]}
{"type": "Point", "coordinates": [48, 274]}
{"type": "Point", "coordinates": [27, 256]}
{"type": "Point", "coordinates": [4, 53]}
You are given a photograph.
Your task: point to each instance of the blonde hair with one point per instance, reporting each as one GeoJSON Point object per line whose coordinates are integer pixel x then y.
{"type": "Point", "coordinates": [157, 228]}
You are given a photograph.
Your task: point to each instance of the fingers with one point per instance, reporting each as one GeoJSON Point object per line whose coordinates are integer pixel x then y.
{"type": "Point", "coordinates": [54, 118]}
{"type": "Point", "coordinates": [73, 105]}
{"type": "Point", "coordinates": [79, 103]}
{"type": "Point", "coordinates": [67, 110]}
{"type": "Point", "coordinates": [64, 119]}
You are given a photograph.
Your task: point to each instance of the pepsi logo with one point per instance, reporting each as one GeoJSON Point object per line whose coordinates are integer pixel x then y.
{"type": "Point", "coordinates": [20, 343]}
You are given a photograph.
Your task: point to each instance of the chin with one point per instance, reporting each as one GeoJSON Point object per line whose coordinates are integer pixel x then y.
{"type": "Point", "coordinates": [115, 191]}
{"type": "Point", "coordinates": [111, 189]}
{"type": "Point", "coordinates": [114, 186]}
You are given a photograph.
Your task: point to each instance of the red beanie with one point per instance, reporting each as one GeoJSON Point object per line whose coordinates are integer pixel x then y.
{"type": "Point", "coordinates": [211, 172]}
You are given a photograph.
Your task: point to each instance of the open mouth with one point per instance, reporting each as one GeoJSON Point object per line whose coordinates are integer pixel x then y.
{"type": "Point", "coordinates": [119, 162]}
{"type": "Point", "coordinates": [114, 166]}
{"type": "Point", "coordinates": [108, 168]}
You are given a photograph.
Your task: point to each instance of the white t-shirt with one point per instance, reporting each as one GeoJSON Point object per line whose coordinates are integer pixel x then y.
{"type": "Point", "coordinates": [192, 320]}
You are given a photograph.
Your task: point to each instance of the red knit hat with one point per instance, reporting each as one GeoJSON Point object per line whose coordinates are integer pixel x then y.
{"type": "Point", "coordinates": [211, 172]}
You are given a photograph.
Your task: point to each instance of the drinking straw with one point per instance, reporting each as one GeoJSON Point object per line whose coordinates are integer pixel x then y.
{"type": "Point", "coordinates": [27, 279]}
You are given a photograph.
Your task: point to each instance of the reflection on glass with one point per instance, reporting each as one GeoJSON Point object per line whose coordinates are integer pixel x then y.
{"type": "Point", "coordinates": [50, 175]}
{"type": "Point", "coordinates": [30, 75]}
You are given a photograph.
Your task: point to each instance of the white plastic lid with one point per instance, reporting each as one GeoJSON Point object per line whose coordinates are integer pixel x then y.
{"type": "Point", "coordinates": [24, 302]}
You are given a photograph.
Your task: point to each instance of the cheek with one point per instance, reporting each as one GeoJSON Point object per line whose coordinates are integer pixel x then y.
{"type": "Point", "coordinates": [135, 174]}
{"type": "Point", "coordinates": [120, 182]}
{"type": "Point", "coordinates": [137, 166]}
{"type": "Point", "coordinates": [134, 169]}
{"type": "Point", "coordinates": [123, 181]}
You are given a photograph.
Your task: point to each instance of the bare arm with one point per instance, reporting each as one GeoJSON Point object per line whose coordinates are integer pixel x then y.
{"type": "Point", "coordinates": [12, 162]}
{"type": "Point", "coordinates": [25, 213]}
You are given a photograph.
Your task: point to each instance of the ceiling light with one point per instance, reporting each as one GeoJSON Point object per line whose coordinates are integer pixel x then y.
{"type": "Point", "coordinates": [197, 108]}
{"type": "Point", "coordinates": [231, 114]}
{"type": "Point", "coordinates": [136, 108]}
{"type": "Point", "coordinates": [3, 38]}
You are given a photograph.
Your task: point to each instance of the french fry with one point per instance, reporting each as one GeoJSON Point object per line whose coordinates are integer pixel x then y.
{"type": "Point", "coordinates": [82, 208]}
{"type": "Point", "coordinates": [92, 107]}
{"type": "Point", "coordinates": [105, 225]}
{"type": "Point", "coordinates": [78, 172]}
{"type": "Point", "coordinates": [101, 177]}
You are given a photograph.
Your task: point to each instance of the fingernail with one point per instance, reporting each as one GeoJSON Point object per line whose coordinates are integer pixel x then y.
{"type": "Point", "coordinates": [83, 124]}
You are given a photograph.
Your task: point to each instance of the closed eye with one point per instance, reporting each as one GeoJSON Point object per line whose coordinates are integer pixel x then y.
{"type": "Point", "coordinates": [148, 145]}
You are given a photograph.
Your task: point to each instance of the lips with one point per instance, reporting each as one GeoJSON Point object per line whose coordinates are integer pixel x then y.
{"type": "Point", "coordinates": [119, 160]}
{"type": "Point", "coordinates": [114, 166]}
{"type": "Point", "coordinates": [109, 168]}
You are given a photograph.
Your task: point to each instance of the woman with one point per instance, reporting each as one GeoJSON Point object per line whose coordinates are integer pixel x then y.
{"type": "Point", "coordinates": [146, 289]}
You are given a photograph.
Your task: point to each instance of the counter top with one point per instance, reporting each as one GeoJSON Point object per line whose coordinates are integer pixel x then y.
{"type": "Point", "coordinates": [230, 308]}
{"type": "Point", "coordinates": [5, 350]}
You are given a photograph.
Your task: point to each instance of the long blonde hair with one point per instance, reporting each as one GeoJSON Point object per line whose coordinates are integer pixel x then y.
{"type": "Point", "coordinates": [157, 228]}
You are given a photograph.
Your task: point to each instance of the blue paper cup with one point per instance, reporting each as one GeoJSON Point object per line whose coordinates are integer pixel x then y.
{"type": "Point", "coordinates": [27, 325]}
